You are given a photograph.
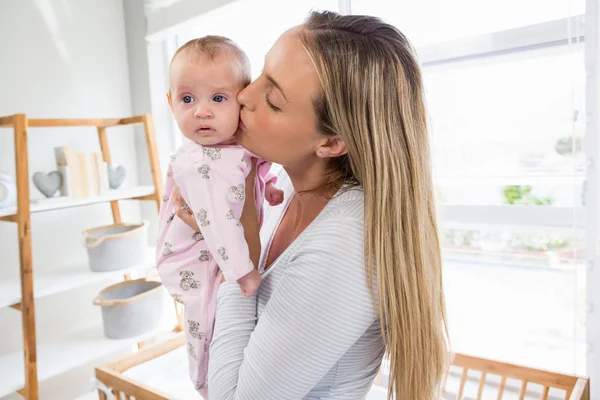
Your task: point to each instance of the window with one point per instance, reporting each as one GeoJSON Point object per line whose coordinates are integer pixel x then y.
{"type": "Point", "coordinates": [434, 21]}
{"type": "Point", "coordinates": [505, 90]}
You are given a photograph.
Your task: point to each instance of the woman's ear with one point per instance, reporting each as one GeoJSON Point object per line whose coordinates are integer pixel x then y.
{"type": "Point", "coordinates": [333, 146]}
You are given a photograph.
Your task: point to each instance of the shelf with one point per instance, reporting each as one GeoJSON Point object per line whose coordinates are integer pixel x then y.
{"type": "Point", "coordinates": [57, 204]}
{"type": "Point", "coordinates": [64, 355]}
{"type": "Point", "coordinates": [66, 279]}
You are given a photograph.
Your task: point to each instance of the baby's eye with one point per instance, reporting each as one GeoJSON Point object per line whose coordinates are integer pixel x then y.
{"type": "Point", "coordinates": [187, 99]}
{"type": "Point", "coordinates": [218, 98]}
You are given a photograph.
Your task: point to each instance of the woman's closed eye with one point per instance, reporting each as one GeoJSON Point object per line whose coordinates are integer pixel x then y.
{"type": "Point", "coordinates": [271, 105]}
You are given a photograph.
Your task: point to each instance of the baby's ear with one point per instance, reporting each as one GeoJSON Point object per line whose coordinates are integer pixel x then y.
{"type": "Point", "coordinates": [169, 100]}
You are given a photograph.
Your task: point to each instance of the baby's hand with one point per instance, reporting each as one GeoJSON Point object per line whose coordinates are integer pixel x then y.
{"type": "Point", "coordinates": [249, 283]}
{"type": "Point", "coordinates": [273, 195]}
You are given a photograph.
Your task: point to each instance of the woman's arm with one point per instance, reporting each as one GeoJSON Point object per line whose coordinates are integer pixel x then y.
{"type": "Point", "coordinates": [318, 310]}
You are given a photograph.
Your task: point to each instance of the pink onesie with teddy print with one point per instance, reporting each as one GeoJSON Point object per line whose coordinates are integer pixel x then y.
{"type": "Point", "coordinates": [211, 181]}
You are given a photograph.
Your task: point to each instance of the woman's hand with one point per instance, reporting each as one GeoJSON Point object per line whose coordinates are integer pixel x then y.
{"type": "Point", "coordinates": [249, 218]}
{"type": "Point", "coordinates": [183, 211]}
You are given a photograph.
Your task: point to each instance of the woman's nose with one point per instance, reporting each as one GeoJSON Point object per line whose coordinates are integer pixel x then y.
{"type": "Point", "coordinates": [245, 98]}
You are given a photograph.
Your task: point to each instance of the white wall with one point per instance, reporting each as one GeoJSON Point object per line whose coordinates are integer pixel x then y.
{"type": "Point", "coordinates": [62, 59]}
{"type": "Point", "coordinates": [139, 80]}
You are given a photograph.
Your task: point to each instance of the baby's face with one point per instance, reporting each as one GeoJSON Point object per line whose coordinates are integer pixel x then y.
{"type": "Point", "coordinates": [203, 97]}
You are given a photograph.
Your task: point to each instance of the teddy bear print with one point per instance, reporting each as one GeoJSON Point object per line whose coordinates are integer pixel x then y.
{"type": "Point", "coordinates": [177, 298]}
{"type": "Point", "coordinates": [165, 199]}
{"type": "Point", "coordinates": [197, 236]}
{"type": "Point", "coordinates": [213, 153]}
{"type": "Point", "coordinates": [200, 386]}
{"type": "Point", "coordinates": [231, 215]}
{"type": "Point", "coordinates": [195, 330]}
{"type": "Point", "coordinates": [245, 161]}
{"type": "Point", "coordinates": [167, 250]}
{"type": "Point", "coordinates": [192, 351]}
{"type": "Point", "coordinates": [206, 347]}
{"type": "Point", "coordinates": [169, 174]}
{"type": "Point", "coordinates": [203, 171]}
{"type": "Point", "coordinates": [202, 217]}
{"type": "Point", "coordinates": [187, 281]}
{"type": "Point", "coordinates": [170, 218]}
{"type": "Point", "coordinates": [238, 191]}
{"type": "Point", "coordinates": [203, 255]}
{"type": "Point", "coordinates": [173, 157]}
{"type": "Point", "coordinates": [223, 253]}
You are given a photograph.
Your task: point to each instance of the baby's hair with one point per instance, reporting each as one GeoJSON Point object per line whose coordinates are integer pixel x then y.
{"type": "Point", "coordinates": [214, 46]}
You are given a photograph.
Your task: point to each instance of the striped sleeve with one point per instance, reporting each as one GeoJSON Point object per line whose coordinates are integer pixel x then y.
{"type": "Point", "coordinates": [319, 309]}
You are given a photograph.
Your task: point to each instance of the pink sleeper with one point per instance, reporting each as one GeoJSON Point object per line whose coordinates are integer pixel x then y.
{"type": "Point", "coordinates": [211, 181]}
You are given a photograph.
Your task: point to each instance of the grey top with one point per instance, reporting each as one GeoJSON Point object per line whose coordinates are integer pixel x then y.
{"type": "Point", "coordinates": [311, 331]}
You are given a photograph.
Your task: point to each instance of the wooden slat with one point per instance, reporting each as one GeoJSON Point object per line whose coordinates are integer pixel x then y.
{"type": "Point", "coordinates": [73, 122]}
{"type": "Point", "coordinates": [133, 388]}
{"type": "Point", "coordinates": [9, 218]}
{"type": "Point", "coordinates": [25, 258]}
{"type": "Point", "coordinates": [138, 119]}
{"type": "Point", "coordinates": [16, 306]}
{"type": "Point", "coordinates": [544, 378]}
{"type": "Point", "coordinates": [153, 158]}
{"type": "Point", "coordinates": [501, 387]}
{"type": "Point", "coordinates": [114, 205]}
{"type": "Point", "coordinates": [523, 390]}
{"type": "Point", "coordinates": [7, 121]}
{"type": "Point", "coordinates": [481, 385]}
{"type": "Point", "coordinates": [463, 381]}
{"type": "Point", "coordinates": [544, 395]}
{"type": "Point", "coordinates": [101, 395]}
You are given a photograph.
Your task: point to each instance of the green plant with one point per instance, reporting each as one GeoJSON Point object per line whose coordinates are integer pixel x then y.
{"type": "Point", "coordinates": [517, 194]}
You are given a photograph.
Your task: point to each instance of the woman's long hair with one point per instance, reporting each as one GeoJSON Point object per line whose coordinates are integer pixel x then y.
{"type": "Point", "coordinates": [372, 97]}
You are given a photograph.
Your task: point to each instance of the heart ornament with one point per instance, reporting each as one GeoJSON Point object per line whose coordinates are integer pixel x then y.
{"type": "Point", "coordinates": [49, 183]}
{"type": "Point", "coordinates": [116, 176]}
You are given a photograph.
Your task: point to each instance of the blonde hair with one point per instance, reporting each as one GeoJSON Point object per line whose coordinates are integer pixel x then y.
{"type": "Point", "coordinates": [214, 46]}
{"type": "Point", "coordinates": [372, 97]}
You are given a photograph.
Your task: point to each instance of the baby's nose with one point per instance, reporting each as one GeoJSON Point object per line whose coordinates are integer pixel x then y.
{"type": "Point", "coordinates": [203, 111]}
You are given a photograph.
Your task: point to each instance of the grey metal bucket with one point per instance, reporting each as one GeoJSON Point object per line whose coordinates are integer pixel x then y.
{"type": "Point", "coordinates": [116, 246]}
{"type": "Point", "coordinates": [130, 308]}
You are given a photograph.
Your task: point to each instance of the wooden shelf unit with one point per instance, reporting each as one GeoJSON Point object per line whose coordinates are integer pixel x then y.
{"type": "Point", "coordinates": [21, 215]}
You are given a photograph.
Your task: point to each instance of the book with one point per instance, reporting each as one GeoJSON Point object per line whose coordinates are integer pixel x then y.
{"type": "Point", "coordinates": [83, 175]}
{"type": "Point", "coordinates": [66, 157]}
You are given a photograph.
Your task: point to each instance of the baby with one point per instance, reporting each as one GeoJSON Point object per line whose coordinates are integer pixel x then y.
{"type": "Point", "coordinates": [210, 171]}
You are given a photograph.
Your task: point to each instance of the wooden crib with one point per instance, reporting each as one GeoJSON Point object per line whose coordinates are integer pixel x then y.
{"type": "Point", "coordinates": [485, 379]}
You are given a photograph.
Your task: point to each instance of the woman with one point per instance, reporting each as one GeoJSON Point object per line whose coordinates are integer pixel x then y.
{"type": "Point", "coordinates": [351, 259]}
